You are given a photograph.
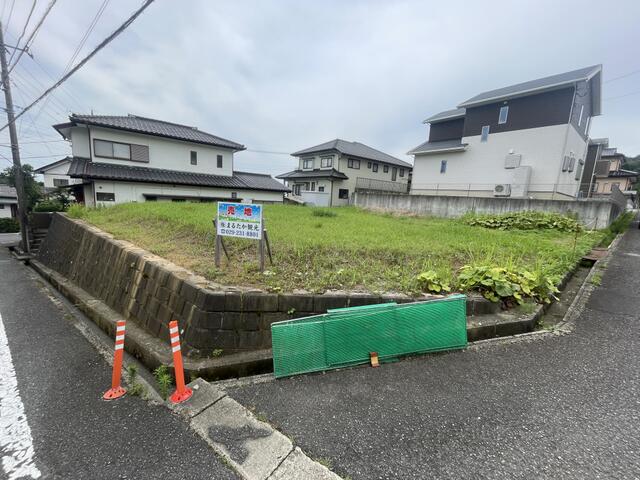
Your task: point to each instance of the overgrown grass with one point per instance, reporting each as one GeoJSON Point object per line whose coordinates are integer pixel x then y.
{"type": "Point", "coordinates": [354, 249]}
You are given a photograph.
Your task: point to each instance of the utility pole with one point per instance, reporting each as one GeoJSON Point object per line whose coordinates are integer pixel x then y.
{"type": "Point", "coordinates": [15, 149]}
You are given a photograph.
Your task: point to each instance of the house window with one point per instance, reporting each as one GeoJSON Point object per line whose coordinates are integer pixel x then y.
{"type": "Point", "coordinates": [60, 182]}
{"type": "Point", "coordinates": [313, 186]}
{"type": "Point", "coordinates": [194, 158]}
{"type": "Point", "coordinates": [581, 113]}
{"type": "Point", "coordinates": [385, 168]}
{"type": "Point", "coordinates": [219, 161]}
{"type": "Point", "coordinates": [394, 173]}
{"type": "Point", "coordinates": [353, 163]}
{"type": "Point", "coordinates": [615, 185]}
{"type": "Point", "coordinates": [485, 133]}
{"type": "Point", "coordinates": [369, 165]}
{"type": "Point", "coordinates": [402, 172]}
{"type": "Point", "coordinates": [343, 193]}
{"type": "Point", "coordinates": [321, 188]}
{"type": "Point", "coordinates": [374, 167]}
{"type": "Point", "coordinates": [579, 169]}
{"type": "Point", "coordinates": [234, 194]}
{"type": "Point", "coordinates": [120, 151]}
{"type": "Point", "coordinates": [443, 166]}
{"type": "Point", "coordinates": [326, 162]}
{"type": "Point", "coordinates": [504, 113]}
{"type": "Point", "coordinates": [307, 163]}
{"type": "Point", "coordinates": [105, 197]}
{"type": "Point", "coordinates": [1, 206]}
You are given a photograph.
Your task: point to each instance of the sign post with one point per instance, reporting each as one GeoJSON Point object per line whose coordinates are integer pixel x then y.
{"type": "Point", "coordinates": [240, 220]}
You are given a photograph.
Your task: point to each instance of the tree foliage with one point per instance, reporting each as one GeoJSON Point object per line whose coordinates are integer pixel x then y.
{"type": "Point", "coordinates": [32, 189]}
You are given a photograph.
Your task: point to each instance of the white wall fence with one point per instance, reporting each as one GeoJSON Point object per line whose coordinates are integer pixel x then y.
{"type": "Point", "coordinates": [593, 213]}
{"type": "Point", "coordinates": [317, 199]}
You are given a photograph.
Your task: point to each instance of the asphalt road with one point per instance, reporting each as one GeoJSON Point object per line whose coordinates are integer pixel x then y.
{"type": "Point", "coordinates": [55, 422]}
{"type": "Point", "coordinates": [563, 407]}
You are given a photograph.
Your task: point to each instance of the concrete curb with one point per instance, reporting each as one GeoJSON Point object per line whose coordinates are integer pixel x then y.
{"type": "Point", "coordinates": [252, 447]}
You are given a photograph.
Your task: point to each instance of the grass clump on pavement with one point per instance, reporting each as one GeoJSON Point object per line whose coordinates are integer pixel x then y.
{"type": "Point", "coordinates": [344, 248]}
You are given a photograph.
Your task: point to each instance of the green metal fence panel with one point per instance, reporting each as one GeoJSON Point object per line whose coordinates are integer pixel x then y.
{"type": "Point", "coordinates": [346, 336]}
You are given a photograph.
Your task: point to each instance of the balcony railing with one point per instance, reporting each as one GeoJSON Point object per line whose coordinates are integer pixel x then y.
{"type": "Point", "coordinates": [373, 185]}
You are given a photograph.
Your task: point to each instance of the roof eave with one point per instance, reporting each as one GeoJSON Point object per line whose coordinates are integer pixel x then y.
{"type": "Point", "coordinates": [443, 119]}
{"type": "Point", "coordinates": [439, 150]}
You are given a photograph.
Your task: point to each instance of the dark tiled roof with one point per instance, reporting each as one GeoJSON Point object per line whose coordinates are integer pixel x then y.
{"type": "Point", "coordinates": [446, 115]}
{"type": "Point", "coordinates": [150, 126]}
{"type": "Point", "coordinates": [84, 168]}
{"type": "Point", "coordinates": [433, 147]}
{"type": "Point", "coordinates": [356, 149]}
{"type": "Point", "coordinates": [545, 83]}
{"type": "Point", "coordinates": [317, 173]}
{"type": "Point", "coordinates": [8, 192]}
{"type": "Point", "coordinates": [51, 165]}
{"type": "Point", "coordinates": [623, 173]}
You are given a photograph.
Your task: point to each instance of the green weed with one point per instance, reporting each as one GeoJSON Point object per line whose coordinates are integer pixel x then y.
{"type": "Point", "coordinates": [163, 380]}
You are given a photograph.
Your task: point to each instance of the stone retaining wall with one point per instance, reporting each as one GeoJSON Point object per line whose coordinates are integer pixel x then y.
{"type": "Point", "coordinates": [151, 291]}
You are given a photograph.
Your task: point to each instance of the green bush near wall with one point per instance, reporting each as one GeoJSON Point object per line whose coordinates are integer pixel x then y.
{"type": "Point", "coordinates": [9, 225]}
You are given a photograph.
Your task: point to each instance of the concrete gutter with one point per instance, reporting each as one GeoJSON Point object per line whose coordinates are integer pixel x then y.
{"type": "Point", "coordinates": [252, 447]}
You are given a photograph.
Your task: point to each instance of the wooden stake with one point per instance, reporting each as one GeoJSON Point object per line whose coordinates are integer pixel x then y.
{"type": "Point", "coordinates": [266, 239]}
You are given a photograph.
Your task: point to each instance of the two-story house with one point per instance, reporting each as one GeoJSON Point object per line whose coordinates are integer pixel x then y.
{"type": "Point", "coordinates": [609, 174]}
{"type": "Point", "coordinates": [118, 159]}
{"type": "Point", "coordinates": [329, 173]}
{"type": "Point", "coordinates": [524, 140]}
{"type": "Point", "coordinates": [8, 202]}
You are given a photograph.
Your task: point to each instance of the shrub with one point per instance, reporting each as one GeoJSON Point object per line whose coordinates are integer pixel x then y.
{"type": "Point", "coordinates": [509, 286]}
{"type": "Point", "coordinates": [619, 225]}
{"type": "Point", "coordinates": [49, 206]}
{"type": "Point", "coordinates": [527, 220]}
{"type": "Point", "coordinates": [430, 282]}
{"type": "Point", "coordinates": [323, 212]}
{"type": "Point", "coordinates": [9, 225]}
{"type": "Point", "coordinates": [77, 211]}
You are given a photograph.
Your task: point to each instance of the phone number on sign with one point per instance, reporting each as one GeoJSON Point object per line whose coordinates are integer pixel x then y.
{"type": "Point", "coordinates": [239, 233]}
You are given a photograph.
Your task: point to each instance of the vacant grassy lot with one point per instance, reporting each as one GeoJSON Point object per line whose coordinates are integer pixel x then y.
{"type": "Point", "coordinates": [353, 249]}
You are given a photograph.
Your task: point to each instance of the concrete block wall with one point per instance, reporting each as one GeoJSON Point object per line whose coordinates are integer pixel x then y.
{"type": "Point", "coordinates": [151, 291]}
{"type": "Point", "coordinates": [592, 213]}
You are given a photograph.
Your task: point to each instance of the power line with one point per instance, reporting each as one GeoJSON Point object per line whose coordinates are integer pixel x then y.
{"type": "Point", "coordinates": [267, 151]}
{"type": "Point", "coordinates": [13, 3]}
{"type": "Point", "coordinates": [79, 47]}
{"type": "Point", "coordinates": [29, 143]}
{"type": "Point", "coordinates": [623, 76]}
{"type": "Point", "coordinates": [24, 29]}
{"type": "Point", "coordinates": [622, 96]}
{"type": "Point", "coordinates": [102, 44]}
{"type": "Point", "coordinates": [33, 34]}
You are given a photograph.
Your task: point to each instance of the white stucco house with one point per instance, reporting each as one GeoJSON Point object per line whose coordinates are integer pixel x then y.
{"type": "Point", "coordinates": [8, 202]}
{"type": "Point", "coordinates": [528, 140]}
{"type": "Point", "coordinates": [118, 159]}
{"type": "Point", "coordinates": [329, 173]}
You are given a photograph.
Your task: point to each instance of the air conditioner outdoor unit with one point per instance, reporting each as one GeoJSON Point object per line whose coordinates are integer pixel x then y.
{"type": "Point", "coordinates": [502, 190]}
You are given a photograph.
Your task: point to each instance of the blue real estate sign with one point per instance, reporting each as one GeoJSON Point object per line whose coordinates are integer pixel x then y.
{"type": "Point", "coordinates": [243, 220]}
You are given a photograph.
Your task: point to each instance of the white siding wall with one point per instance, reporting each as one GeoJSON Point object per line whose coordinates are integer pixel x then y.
{"type": "Point", "coordinates": [576, 147]}
{"type": "Point", "coordinates": [5, 210]}
{"type": "Point", "coordinates": [135, 192]}
{"type": "Point", "coordinates": [59, 171]}
{"type": "Point", "coordinates": [163, 153]}
{"type": "Point", "coordinates": [481, 166]}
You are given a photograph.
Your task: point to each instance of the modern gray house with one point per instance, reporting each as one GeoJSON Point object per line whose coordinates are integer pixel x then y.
{"type": "Point", "coordinates": [329, 173]}
{"type": "Point", "coordinates": [524, 140]}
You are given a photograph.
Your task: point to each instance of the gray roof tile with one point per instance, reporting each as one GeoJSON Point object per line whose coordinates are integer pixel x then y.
{"type": "Point", "coordinates": [433, 147]}
{"type": "Point", "coordinates": [317, 173]}
{"type": "Point", "coordinates": [446, 115]}
{"type": "Point", "coordinates": [84, 168]}
{"type": "Point", "coordinates": [356, 149]}
{"type": "Point", "coordinates": [8, 192]}
{"type": "Point", "coordinates": [150, 126]}
{"type": "Point", "coordinates": [545, 83]}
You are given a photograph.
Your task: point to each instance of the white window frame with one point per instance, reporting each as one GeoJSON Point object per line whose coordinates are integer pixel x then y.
{"type": "Point", "coordinates": [374, 168]}
{"type": "Point", "coordinates": [504, 109]}
{"type": "Point", "coordinates": [581, 113]}
{"type": "Point", "coordinates": [484, 134]}
{"type": "Point", "coordinates": [329, 163]}
{"type": "Point", "coordinates": [352, 162]}
{"type": "Point", "coordinates": [304, 163]}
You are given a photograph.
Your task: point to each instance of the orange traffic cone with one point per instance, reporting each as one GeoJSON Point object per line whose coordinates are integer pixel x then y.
{"type": "Point", "coordinates": [116, 390]}
{"type": "Point", "coordinates": [182, 392]}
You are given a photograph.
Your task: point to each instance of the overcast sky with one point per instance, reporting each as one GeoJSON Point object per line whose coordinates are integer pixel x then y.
{"type": "Point", "coordinates": [279, 76]}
